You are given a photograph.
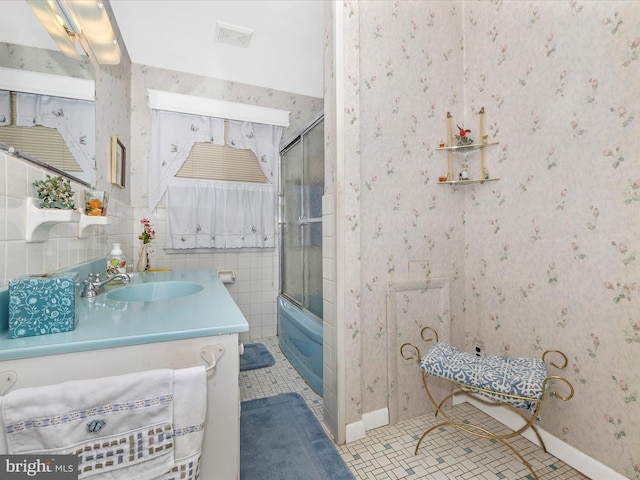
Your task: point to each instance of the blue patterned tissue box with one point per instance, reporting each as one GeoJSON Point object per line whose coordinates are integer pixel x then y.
{"type": "Point", "coordinates": [42, 304]}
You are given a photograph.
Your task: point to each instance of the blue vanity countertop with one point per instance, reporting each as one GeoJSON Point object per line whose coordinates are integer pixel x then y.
{"type": "Point", "coordinates": [104, 323]}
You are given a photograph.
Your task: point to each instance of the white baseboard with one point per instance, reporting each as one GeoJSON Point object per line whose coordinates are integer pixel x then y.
{"type": "Point", "coordinates": [355, 431]}
{"type": "Point", "coordinates": [556, 447]}
{"type": "Point", "coordinates": [370, 420]}
{"type": "Point", "coordinates": [375, 419]}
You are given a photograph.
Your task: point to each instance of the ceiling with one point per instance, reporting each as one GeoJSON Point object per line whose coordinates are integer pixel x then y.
{"type": "Point", "coordinates": [285, 52]}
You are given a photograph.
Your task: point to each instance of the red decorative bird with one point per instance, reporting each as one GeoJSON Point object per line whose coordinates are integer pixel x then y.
{"type": "Point", "coordinates": [463, 132]}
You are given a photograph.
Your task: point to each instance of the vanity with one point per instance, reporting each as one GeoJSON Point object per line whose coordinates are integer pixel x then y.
{"type": "Point", "coordinates": [182, 321]}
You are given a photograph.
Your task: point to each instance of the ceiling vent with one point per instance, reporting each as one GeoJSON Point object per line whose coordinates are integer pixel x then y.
{"type": "Point", "coordinates": [233, 34]}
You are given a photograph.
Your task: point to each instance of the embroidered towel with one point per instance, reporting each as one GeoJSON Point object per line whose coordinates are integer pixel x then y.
{"type": "Point", "coordinates": [120, 427]}
{"type": "Point", "coordinates": [189, 413]}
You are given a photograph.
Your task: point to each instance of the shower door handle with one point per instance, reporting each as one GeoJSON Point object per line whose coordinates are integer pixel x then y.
{"type": "Point", "coordinates": [305, 221]}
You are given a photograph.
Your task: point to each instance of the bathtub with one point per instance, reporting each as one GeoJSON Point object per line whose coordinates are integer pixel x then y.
{"type": "Point", "coordinates": [300, 338]}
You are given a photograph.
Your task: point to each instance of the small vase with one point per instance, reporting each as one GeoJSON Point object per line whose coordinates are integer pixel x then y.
{"type": "Point", "coordinates": [143, 258]}
{"type": "Point", "coordinates": [95, 203]}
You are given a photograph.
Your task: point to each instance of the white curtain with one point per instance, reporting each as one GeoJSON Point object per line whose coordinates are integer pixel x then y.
{"type": "Point", "coordinates": [211, 214]}
{"type": "Point", "coordinates": [5, 107]}
{"type": "Point", "coordinates": [74, 119]}
{"type": "Point", "coordinates": [172, 136]}
{"type": "Point", "coordinates": [263, 140]}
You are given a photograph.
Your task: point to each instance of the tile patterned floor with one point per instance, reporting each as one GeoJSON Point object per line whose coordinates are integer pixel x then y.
{"type": "Point", "coordinates": [387, 453]}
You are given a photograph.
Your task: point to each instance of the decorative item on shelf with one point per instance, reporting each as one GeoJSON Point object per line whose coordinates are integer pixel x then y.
{"type": "Point", "coordinates": [146, 236]}
{"type": "Point", "coordinates": [461, 138]}
{"type": "Point", "coordinates": [55, 192]}
{"type": "Point", "coordinates": [95, 203]}
{"type": "Point", "coordinates": [461, 144]}
{"type": "Point", "coordinates": [464, 172]}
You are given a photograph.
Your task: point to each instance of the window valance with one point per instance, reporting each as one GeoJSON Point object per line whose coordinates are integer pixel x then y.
{"type": "Point", "coordinates": [206, 213]}
{"type": "Point", "coordinates": [174, 134]}
{"type": "Point", "coordinates": [172, 137]}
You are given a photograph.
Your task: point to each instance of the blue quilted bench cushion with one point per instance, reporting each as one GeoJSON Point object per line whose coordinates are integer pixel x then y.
{"type": "Point", "coordinates": [497, 376]}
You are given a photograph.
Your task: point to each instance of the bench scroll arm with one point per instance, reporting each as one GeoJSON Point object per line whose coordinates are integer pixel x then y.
{"type": "Point", "coordinates": [564, 357]}
{"type": "Point", "coordinates": [409, 352]}
{"type": "Point", "coordinates": [406, 348]}
{"type": "Point", "coordinates": [553, 393]}
{"type": "Point", "coordinates": [424, 330]}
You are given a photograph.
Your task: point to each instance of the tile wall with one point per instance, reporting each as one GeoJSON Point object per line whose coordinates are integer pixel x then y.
{"type": "Point", "coordinates": [63, 248]}
{"type": "Point", "coordinates": [329, 354]}
{"type": "Point", "coordinates": [256, 274]}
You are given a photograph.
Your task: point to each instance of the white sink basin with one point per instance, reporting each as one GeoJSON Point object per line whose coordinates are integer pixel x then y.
{"type": "Point", "coordinates": [153, 291]}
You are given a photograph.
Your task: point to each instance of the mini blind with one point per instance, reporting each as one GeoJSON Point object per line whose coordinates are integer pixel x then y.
{"type": "Point", "coordinates": [220, 162]}
{"type": "Point", "coordinates": [44, 143]}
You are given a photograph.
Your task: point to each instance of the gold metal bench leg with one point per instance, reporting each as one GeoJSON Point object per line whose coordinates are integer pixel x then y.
{"type": "Point", "coordinates": [481, 432]}
{"type": "Point", "coordinates": [477, 430]}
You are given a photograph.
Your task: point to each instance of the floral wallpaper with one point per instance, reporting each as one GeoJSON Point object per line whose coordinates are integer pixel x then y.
{"type": "Point", "coordinates": [45, 61]}
{"type": "Point", "coordinates": [546, 256]}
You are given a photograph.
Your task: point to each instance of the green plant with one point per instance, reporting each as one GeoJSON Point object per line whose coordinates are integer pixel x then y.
{"type": "Point", "coordinates": [55, 192]}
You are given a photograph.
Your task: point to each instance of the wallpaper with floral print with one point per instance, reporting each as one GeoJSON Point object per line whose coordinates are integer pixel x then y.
{"type": "Point", "coordinates": [546, 256]}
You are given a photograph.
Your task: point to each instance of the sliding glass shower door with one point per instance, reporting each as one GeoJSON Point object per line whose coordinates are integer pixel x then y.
{"type": "Point", "coordinates": [301, 218]}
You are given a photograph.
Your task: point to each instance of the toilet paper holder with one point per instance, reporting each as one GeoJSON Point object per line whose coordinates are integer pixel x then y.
{"type": "Point", "coordinates": [227, 276]}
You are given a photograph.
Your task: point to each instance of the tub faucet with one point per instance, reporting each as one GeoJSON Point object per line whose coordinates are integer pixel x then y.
{"type": "Point", "coordinates": [94, 286]}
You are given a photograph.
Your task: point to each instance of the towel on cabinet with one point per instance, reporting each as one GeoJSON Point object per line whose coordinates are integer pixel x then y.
{"type": "Point", "coordinates": [189, 412]}
{"type": "Point", "coordinates": [122, 425]}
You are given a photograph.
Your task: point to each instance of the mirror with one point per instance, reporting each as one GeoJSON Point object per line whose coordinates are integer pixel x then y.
{"type": "Point", "coordinates": [118, 161]}
{"type": "Point", "coordinates": [25, 45]}
{"type": "Point", "coordinates": [41, 124]}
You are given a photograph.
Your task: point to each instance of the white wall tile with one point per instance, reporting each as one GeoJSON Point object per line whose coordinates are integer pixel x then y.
{"type": "Point", "coordinates": [62, 249]}
{"type": "Point", "coordinates": [3, 217]}
{"type": "Point", "coordinates": [16, 177]}
{"type": "Point", "coordinates": [3, 175]}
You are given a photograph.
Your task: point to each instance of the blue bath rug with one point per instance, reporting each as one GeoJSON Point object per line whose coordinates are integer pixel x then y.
{"type": "Point", "coordinates": [280, 438]}
{"type": "Point", "coordinates": [255, 356]}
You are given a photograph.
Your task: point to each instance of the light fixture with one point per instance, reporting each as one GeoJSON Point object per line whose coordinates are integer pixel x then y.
{"type": "Point", "coordinates": [84, 20]}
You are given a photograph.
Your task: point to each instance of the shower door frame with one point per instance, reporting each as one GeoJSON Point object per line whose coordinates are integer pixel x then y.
{"type": "Point", "coordinates": [302, 222]}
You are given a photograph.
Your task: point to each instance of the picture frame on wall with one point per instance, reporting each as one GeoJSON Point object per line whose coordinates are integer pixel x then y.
{"type": "Point", "coordinates": [118, 162]}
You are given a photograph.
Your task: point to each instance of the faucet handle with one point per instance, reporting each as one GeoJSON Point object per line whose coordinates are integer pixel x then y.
{"type": "Point", "coordinates": [89, 290]}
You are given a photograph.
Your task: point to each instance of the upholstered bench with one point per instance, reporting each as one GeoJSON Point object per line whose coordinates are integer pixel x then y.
{"type": "Point", "coordinates": [519, 384]}
{"type": "Point", "coordinates": [518, 381]}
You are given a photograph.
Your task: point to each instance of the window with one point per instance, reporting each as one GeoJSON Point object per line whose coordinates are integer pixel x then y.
{"type": "Point", "coordinates": [220, 176]}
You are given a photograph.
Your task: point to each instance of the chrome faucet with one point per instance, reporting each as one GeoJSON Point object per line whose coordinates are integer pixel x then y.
{"type": "Point", "coordinates": [94, 286]}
